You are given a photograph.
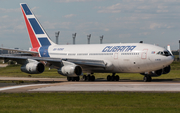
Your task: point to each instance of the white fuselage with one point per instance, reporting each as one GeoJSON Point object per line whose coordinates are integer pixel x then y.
{"type": "Point", "coordinates": [119, 58]}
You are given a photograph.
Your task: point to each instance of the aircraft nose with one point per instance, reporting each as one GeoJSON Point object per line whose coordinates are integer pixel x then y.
{"type": "Point", "coordinates": [171, 59]}
{"type": "Point", "coordinates": [168, 60]}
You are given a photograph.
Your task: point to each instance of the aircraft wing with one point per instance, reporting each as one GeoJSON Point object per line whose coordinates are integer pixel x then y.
{"type": "Point", "coordinates": [12, 57]}
{"type": "Point", "coordinates": [18, 50]}
{"type": "Point", "coordinates": [55, 61]}
{"type": "Point", "coordinates": [87, 62]}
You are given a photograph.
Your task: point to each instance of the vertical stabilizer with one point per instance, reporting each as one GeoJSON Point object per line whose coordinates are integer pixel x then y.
{"type": "Point", "coordinates": [36, 32]}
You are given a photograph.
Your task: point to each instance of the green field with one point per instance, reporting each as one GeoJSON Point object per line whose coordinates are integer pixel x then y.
{"type": "Point", "coordinates": [88, 102]}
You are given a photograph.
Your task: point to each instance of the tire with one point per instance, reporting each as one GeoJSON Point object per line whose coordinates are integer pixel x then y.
{"type": "Point", "coordinates": [112, 78]}
{"type": "Point", "coordinates": [108, 78]}
{"type": "Point", "coordinates": [77, 78]}
{"type": "Point", "coordinates": [73, 78]}
{"type": "Point", "coordinates": [88, 78]}
{"type": "Point", "coordinates": [92, 78]}
{"type": "Point", "coordinates": [69, 78]}
{"type": "Point", "coordinates": [117, 78]}
{"type": "Point", "coordinates": [149, 78]}
{"type": "Point", "coordinates": [145, 79]}
{"type": "Point", "coordinates": [84, 77]}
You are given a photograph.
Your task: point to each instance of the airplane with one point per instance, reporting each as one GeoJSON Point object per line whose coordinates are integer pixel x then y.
{"type": "Point", "coordinates": [74, 60]}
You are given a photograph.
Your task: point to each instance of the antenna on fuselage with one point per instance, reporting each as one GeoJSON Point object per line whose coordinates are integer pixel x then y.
{"type": "Point", "coordinates": [141, 42]}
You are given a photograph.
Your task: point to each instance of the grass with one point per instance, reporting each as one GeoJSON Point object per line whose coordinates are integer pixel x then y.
{"type": "Point", "coordinates": [15, 71]}
{"type": "Point", "coordinates": [19, 81]}
{"type": "Point", "coordinates": [175, 65]}
{"type": "Point", "coordinates": [88, 102]}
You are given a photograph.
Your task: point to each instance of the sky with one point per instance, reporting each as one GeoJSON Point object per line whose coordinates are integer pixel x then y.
{"type": "Point", "coordinates": [119, 21]}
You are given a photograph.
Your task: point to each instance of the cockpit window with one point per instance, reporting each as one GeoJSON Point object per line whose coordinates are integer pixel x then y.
{"type": "Point", "coordinates": [164, 53]}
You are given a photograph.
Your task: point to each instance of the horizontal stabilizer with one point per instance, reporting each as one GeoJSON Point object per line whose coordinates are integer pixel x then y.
{"type": "Point", "coordinates": [18, 50]}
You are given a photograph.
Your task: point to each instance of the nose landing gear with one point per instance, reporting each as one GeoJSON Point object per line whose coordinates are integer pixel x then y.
{"type": "Point", "coordinates": [147, 78]}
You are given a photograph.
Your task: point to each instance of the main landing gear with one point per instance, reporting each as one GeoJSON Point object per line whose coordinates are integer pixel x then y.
{"type": "Point", "coordinates": [89, 77]}
{"type": "Point", "coordinates": [147, 78]}
{"type": "Point", "coordinates": [113, 77]}
{"type": "Point", "coordinates": [85, 78]}
{"type": "Point", "coordinates": [73, 78]}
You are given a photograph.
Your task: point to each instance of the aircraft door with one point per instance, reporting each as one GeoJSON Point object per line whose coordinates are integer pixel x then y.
{"type": "Point", "coordinates": [144, 54]}
{"type": "Point", "coordinates": [115, 55]}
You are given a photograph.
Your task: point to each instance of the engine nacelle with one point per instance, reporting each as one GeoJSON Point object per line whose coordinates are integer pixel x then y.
{"type": "Point", "coordinates": [33, 68]}
{"type": "Point", "coordinates": [70, 70]}
{"type": "Point", "coordinates": [167, 69]}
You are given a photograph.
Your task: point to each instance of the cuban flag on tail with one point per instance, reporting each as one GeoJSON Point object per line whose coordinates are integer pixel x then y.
{"type": "Point", "coordinates": [37, 34]}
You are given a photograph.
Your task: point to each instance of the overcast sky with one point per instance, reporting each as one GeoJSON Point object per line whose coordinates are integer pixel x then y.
{"type": "Point", "coordinates": [120, 21]}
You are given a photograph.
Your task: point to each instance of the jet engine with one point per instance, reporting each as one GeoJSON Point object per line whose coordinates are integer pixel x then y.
{"type": "Point", "coordinates": [70, 70]}
{"type": "Point", "coordinates": [33, 68]}
{"type": "Point", "coordinates": [167, 69]}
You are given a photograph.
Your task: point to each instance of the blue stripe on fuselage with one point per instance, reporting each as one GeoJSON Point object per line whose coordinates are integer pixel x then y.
{"type": "Point", "coordinates": [44, 51]}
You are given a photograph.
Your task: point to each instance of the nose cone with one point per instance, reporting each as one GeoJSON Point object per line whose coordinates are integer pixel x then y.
{"type": "Point", "coordinates": [170, 59]}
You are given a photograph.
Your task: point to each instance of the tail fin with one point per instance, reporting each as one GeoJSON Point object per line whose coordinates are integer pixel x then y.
{"type": "Point", "coordinates": [36, 32]}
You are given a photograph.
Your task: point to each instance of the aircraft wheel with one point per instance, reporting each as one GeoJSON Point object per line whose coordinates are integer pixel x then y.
{"type": "Point", "coordinates": [147, 78]}
{"type": "Point", "coordinates": [88, 78]}
{"type": "Point", "coordinates": [69, 78]}
{"type": "Point", "coordinates": [108, 78]}
{"type": "Point", "coordinates": [117, 78]}
{"type": "Point", "coordinates": [84, 77]}
{"type": "Point", "coordinates": [92, 78]}
{"type": "Point", "coordinates": [112, 78]}
{"type": "Point", "coordinates": [73, 78]}
{"type": "Point", "coordinates": [77, 78]}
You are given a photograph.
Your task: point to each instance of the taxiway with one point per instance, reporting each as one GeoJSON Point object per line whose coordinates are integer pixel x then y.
{"type": "Point", "coordinates": [62, 85]}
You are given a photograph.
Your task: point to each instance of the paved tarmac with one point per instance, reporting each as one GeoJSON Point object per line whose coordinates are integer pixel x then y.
{"type": "Point", "coordinates": [62, 85]}
{"type": "Point", "coordinates": [112, 87]}
{"type": "Point", "coordinates": [3, 65]}
{"type": "Point", "coordinates": [33, 79]}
